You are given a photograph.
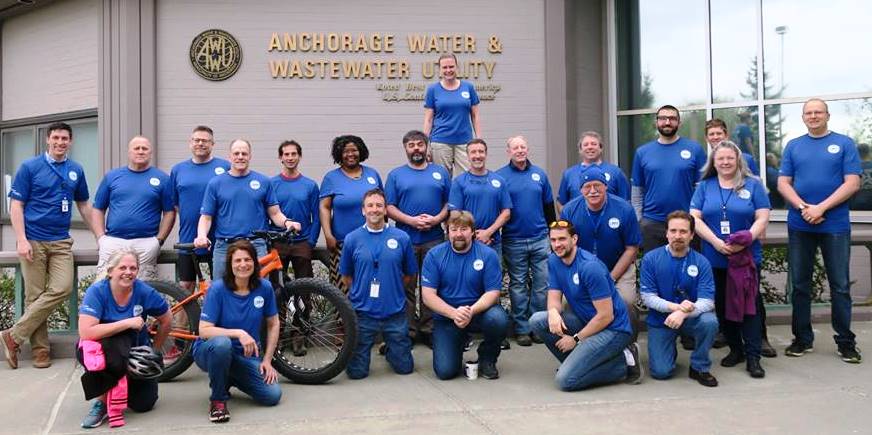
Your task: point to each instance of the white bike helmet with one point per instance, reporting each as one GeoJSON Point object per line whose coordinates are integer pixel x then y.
{"type": "Point", "coordinates": [144, 363]}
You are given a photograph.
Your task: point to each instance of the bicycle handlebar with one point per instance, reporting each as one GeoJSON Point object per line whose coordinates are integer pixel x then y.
{"type": "Point", "coordinates": [282, 236]}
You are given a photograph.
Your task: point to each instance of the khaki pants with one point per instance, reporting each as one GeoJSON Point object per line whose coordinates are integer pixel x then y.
{"type": "Point", "coordinates": [148, 249]}
{"type": "Point", "coordinates": [48, 281]}
{"type": "Point", "coordinates": [627, 289]}
{"type": "Point", "coordinates": [453, 157]}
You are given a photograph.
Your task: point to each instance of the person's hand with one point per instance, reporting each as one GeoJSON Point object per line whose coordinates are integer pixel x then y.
{"type": "Point", "coordinates": [555, 323]}
{"type": "Point", "coordinates": [332, 246]}
{"type": "Point", "coordinates": [421, 223]}
{"type": "Point", "coordinates": [813, 214]}
{"type": "Point", "coordinates": [565, 343]}
{"type": "Point", "coordinates": [266, 369]}
{"type": "Point", "coordinates": [135, 323]}
{"type": "Point", "coordinates": [293, 226]}
{"type": "Point", "coordinates": [675, 319]}
{"type": "Point", "coordinates": [722, 247]}
{"type": "Point", "coordinates": [202, 242]}
{"type": "Point", "coordinates": [429, 220]}
{"type": "Point", "coordinates": [249, 346]}
{"type": "Point", "coordinates": [24, 250]}
{"type": "Point", "coordinates": [462, 316]}
{"type": "Point", "coordinates": [687, 306]}
{"type": "Point", "coordinates": [483, 237]}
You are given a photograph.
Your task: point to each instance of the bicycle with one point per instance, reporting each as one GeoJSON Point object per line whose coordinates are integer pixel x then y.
{"type": "Point", "coordinates": [318, 326]}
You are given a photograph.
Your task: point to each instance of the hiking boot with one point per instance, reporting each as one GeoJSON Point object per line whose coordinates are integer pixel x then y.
{"type": "Point", "coordinates": [733, 358]}
{"type": "Point", "coordinates": [634, 365]}
{"type": "Point", "coordinates": [535, 338]}
{"type": "Point", "coordinates": [754, 368]}
{"type": "Point", "coordinates": [10, 348]}
{"type": "Point", "coordinates": [488, 370]}
{"type": "Point", "coordinates": [849, 353]}
{"type": "Point", "coordinates": [41, 359]}
{"type": "Point", "coordinates": [704, 378]}
{"type": "Point", "coordinates": [798, 349]}
{"type": "Point", "coordinates": [96, 416]}
{"type": "Point", "coordinates": [524, 340]}
{"type": "Point", "coordinates": [218, 412]}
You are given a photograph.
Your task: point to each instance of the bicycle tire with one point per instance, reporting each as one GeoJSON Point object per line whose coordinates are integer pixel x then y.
{"type": "Point", "coordinates": [178, 352]}
{"type": "Point", "coordinates": [326, 325]}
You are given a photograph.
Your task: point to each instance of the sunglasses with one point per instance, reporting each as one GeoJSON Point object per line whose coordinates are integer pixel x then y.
{"type": "Point", "coordinates": [559, 224]}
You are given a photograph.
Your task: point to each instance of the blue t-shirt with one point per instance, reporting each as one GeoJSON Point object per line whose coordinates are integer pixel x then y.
{"type": "Point", "coordinates": [238, 204]}
{"type": "Point", "coordinates": [529, 190]}
{"type": "Point", "coordinates": [570, 183]}
{"type": "Point", "coordinates": [298, 198]}
{"type": "Point", "coordinates": [347, 196]}
{"type": "Point", "coordinates": [818, 167]}
{"type": "Point", "coordinates": [135, 201]}
{"type": "Point", "coordinates": [485, 196]}
{"type": "Point", "coordinates": [743, 134]}
{"type": "Point", "coordinates": [667, 173]}
{"type": "Point", "coordinates": [584, 281]}
{"type": "Point", "coordinates": [606, 233]}
{"type": "Point", "coordinates": [189, 182]}
{"type": "Point", "coordinates": [225, 309]}
{"type": "Point", "coordinates": [451, 122]}
{"type": "Point", "coordinates": [709, 198]}
{"type": "Point", "coordinates": [417, 191]}
{"type": "Point", "coordinates": [751, 163]}
{"type": "Point", "coordinates": [99, 303]}
{"type": "Point", "coordinates": [461, 279]}
{"type": "Point", "coordinates": [393, 250]}
{"type": "Point", "coordinates": [43, 187]}
{"type": "Point", "coordinates": [675, 279]}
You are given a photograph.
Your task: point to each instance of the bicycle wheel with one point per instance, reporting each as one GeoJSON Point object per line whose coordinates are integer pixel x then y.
{"type": "Point", "coordinates": [178, 352]}
{"type": "Point", "coordinates": [318, 331]}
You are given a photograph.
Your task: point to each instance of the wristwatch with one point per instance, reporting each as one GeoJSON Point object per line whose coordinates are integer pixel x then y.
{"type": "Point", "coordinates": [801, 207]}
{"type": "Point", "coordinates": [575, 337]}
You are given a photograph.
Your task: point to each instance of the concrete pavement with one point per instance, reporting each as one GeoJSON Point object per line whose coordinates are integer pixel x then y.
{"type": "Point", "coordinates": [815, 394]}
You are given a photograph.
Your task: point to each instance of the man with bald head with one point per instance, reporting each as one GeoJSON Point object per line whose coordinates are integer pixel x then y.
{"type": "Point", "coordinates": [139, 201]}
{"type": "Point", "coordinates": [238, 202]}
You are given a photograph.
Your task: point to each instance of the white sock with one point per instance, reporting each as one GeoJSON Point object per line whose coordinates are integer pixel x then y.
{"type": "Point", "coordinates": [629, 357]}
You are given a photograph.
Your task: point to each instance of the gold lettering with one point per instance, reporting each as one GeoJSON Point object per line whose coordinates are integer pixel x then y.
{"type": "Point", "coordinates": [333, 42]}
{"type": "Point", "coordinates": [434, 44]}
{"type": "Point", "coordinates": [489, 69]}
{"type": "Point", "coordinates": [334, 69]}
{"type": "Point", "coordinates": [470, 43]}
{"type": "Point", "coordinates": [318, 42]}
{"type": "Point", "coordinates": [428, 69]}
{"type": "Point", "coordinates": [351, 69]}
{"type": "Point", "coordinates": [274, 43]}
{"type": "Point", "coordinates": [457, 43]}
{"type": "Point", "coordinates": [278, 68]}
{"type": "Point", "coordinates": [375, 42]}
{"type": "Point", "coordinates": [305, 42]}
{"type": "Point", "coordinates": [444, 45]}
{"type": "Point", "coordinates": [404, 69]}
{"type": "Point", "coordinates": [346, 42]}
{"type": "Point", "coordinates": [361, 43]}
{"type": "Point", "coordinates": [389, 43]}
{"type": "Point", "coordinates": [323, 65]}
{"type": "Point", "coordinates": [416, 43]}
{"type": "Point", "coordinates": [295, 70]}
{"type": "Point", "coordinates": [290, 42]}
{"type": "Point", "coordinates": [309, 70]}
{"type": "Point", "coordinates": [367, 70]}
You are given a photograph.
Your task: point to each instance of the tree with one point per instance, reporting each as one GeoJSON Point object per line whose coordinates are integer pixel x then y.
{"type": "Point", "coordinates": [773, 119]}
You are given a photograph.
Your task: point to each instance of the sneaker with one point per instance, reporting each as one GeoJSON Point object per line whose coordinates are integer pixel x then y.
{"type": "Point", "coordinates": [524, 340]}
{"type": "Point", "coordinates": [754, 368]}
{"type": "Point", "coordinates": [488, 370]}
{"type": "Point", "coordinates": [798, 349]}
{"type": "Point", "coordinates": [733, 358]}
{"type": "Point", "coordinates": [10, 348]}
{"type": "Point", "coordinates": [218, 412]}
{"type": "Point", "coordinates": [634, 364]}
{"type": "Point", "coordinates": [766, 349]}
{"type": "Point", "coordinates": [704, 378]}
{"type": "Point", "coordinates": [41, 359]}
{"type": "Point", "coordinates": [504, 345]}
{"type": "Point", "coordinates": [535, 338]}
{"type": "Point", "coordinates": [96, 416]}
{"type": "Point", "coordinates": [849, 353]}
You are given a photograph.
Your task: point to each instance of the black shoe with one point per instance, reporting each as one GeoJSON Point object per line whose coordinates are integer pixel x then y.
{"type": "Point", "coordinates": [688, 343]}
{"type": "Point", "coordinates": [798, 349]}
{"type": "Point", "coordinates": [504, 345]}
{"type": "Point", "coordinates": [733, 358]}
{"type": "Point", "coordinates": [524, 340]}
{"type": "Point", "coordinates": [753, 367]}
{"type": "Point", "coordinates": [704, 378]}
{"type": "Point", "coordinates": [535, 338]}
{"type": "Point", "coordinates": [849, 353]}
{"type": "Point", "coordinates": [466, 346]}
{"type": "Point", "coordinates": [634, 367]}
{"type": "Point", "coordinates": [488, 370]}
{"type": "Point", "coordinates": [766, 349]}
{"type": "Point", "coordinates": [720, 341]}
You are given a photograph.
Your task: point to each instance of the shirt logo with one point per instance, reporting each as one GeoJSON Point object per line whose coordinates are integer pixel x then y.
{"type": "Point", "coordinates": [370, 180]}
{"type": "Point", "coordinates": [496, 183]}
{"type": "Point", "coordinates": [478, 264]}
{"type": "Point", "coordinates": [536, 177]}
{"type": "Point", "coordinates": [437, 176]}
{"type": "Point", "coordinates": [254, 184]}
{"type": "Point", "coordinates": [465, 94]}
{"type": "Point", "coordinates": [692, 270]}
{"type": "Point", "coordinates": [73, 175]}
{"type": "Point", "coordinates": [744, 194]}
{"type": "Point", "coordinates": [219, 170]}
{"type": "Point", "coordinates": [258, 302]}
{"type": "Point", "coordinates": [833, 149]}
{"type": "Point", "coordinates": [392, 243]}
{"type": "Point", "coordinates": [614, 223]}
{"type": "Point", "coordinates": [575, 278]}
{"type": "Point", "coordinates": [608, 176]}
{"type": "Point", "coordinates": [137, 310]}
{"type": "Point", "coordinates": [685, 154]}
{"type": "Point", "coordinates": [154, 182]}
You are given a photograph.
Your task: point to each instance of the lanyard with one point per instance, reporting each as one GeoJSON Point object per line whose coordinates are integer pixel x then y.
{"type": "Point", "coordinates": [375, 248]}
{"type": "Point", "coordinates": [596, 219]}
{"type": "Point", "coordinates": [724, 201]}
{"type": "Point", "coordinates": [57, 172]}
{"type": "Point", "coordinates": [676, 277]}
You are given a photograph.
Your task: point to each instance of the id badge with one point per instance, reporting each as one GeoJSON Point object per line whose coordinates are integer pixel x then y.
{"type": "Point", "coordinates": [65, 206]}
{"type": "Point", "coordinates": [373, 288]}
{"type": "Point", "coordinates": [725, 227]}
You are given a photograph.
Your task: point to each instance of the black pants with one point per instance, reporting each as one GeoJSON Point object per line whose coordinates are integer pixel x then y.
{"type": "Point", "coordinates": [742, 336]}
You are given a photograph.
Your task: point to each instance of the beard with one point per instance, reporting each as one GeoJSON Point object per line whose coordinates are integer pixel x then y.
{"type": "Point", "coordinates": [459, 244]}
{"type": "Point", "coordinates": [667, 131]}
{"type": "Point", "coordinates": [417, 158]}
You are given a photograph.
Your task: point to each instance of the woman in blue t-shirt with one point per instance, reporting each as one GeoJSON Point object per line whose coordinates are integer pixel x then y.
{"type": "Point", "coordinates": [451, 117]}
{"type": "Point", "coordinates": [730, 204]}
{"type": "Point", "coordinates": [115, 306]}
{"type": "Point", "coordinates": [229, 347]}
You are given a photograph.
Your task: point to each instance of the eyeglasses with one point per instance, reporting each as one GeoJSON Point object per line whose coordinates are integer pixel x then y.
{"type": "Point", "coordinates": [198, 140]}
{"type": "Point", "coordinates": [560, 224]}
{"type": "Point", "coordinates": [667, 118]}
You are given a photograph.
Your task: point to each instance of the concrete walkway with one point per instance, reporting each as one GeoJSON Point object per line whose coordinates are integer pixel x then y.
{"type": "Point", "coordinates": [815, 394]}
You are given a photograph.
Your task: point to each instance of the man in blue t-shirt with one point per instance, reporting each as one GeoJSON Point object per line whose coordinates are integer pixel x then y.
{"type": "Point", "coordinates": [665, 172]}
{"type": "Point", "coordinates": [417, 198]}
{"type": "Point", "coordinates": [608, 229]}
{"type": "Point", "coordinates": [41, 196]}
{"type": "Point", "coordinates": [716, 132]}
{"type": "Point", "coordinates": [460, 282]}
{"type": "Point", "coordinates": [189, 179]}
{"type": "Point", "coordinates": [820, 171]}
{"type": "Point", "coordinates": [483, 193]}
{"type": "Point", "coordinates": [593, 339]}
{"type": "Point", "coordinates": [525, 241]}
{"type": "Point", "coordinates": [239, 202]}
{"type": "Point", "coordinates": [376, 261]}
{"type": "Point", "coordinates": [677, 287]}
{"type": "Point", "coordinates": [139, 201]}
{"type": "Point", "coordinates": [590, 151]}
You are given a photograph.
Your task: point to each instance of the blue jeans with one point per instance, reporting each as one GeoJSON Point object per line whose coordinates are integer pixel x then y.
{"type": "Point", "coordinates": [228, 368]}
{"type": "Point", "coordinates": [498, 247]}
{"type": "Point", "coordinates": [395, 330]}
{"type": "Point", "coordinates": [836, 251]}
{"type": "Point", "coordinates": [595, 361]}
{"type": "Point", "coordinates": [527, 262]}
{"type": "Point", "coordinates": [448, 340]}
{"type": "Point", "coordinates": [661, 345]}
{"type": "Point", "coordinates": [219, 254]}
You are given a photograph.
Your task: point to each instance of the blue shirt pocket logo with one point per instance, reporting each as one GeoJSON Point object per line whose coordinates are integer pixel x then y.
{"type": "Point", "coordinates": [478, 264]}
{"type": "Point", "coordinates": [692, 270]}
{"type": "Point", "coordinates": [73, 175]}
{"type": "Point", "coordinates": [258, 302]}
{"type": "Point", "coordinates": [254, 184]}
{"type": "Point", "coordinates": [137, 310]}
{"type": "Point", "coordinates": [392, 243]}
{"type": "Point", "coordinates": [154, 181]}
{"type": "Point", "coordinates": [219, 170]}
{"type": "Point", "coordinates": [685, 154]}
{"type": "Point", "coordinates": [437, 176]}
{"type": "Point", "coordinates": [465, 94]}
{"type": "Point", "coordinates": [614, 223]}
{"type": "Point", "coordinates": [370, 180]}
{"type": "Point", "coordinates": [834, 149]}
{"type": "Point", "coordinates": [496, 183]}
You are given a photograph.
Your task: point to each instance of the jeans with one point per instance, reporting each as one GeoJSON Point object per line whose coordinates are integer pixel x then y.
{"type": "Point", "coordinates": [219, 254]}
{"type": "Point", "coordinates": [419, 315]}
{"type": "Point", "coordinates": [597, 360]}
{"type": "Point", "coordinates": [836, 251]}
{"type": "Point", "coordinates": [498, 248]}
{"type": "Point", "coordinates": [527, 262]}
{"type": "Point", "coordinates": [228, 368]}
{"type": "Point", "coordinates": [395, 330]}
{"type": "Point", "coordinates": [448, 340]}
{"type": "Point", "coordinates": [661, 345]}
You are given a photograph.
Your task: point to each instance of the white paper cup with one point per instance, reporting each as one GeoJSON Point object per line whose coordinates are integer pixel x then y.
{"type": "Point", "coordinates": [471, 369]}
